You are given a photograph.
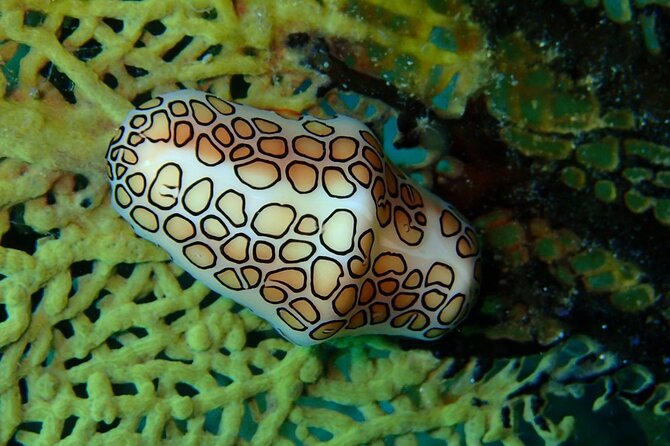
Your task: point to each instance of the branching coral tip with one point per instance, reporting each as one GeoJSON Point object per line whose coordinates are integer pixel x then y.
{"type": "Point", "coordinates": [301, 220]}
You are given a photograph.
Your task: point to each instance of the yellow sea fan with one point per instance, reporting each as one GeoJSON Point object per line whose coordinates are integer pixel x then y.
{"type": "Point", "coordinates": [101, 339]}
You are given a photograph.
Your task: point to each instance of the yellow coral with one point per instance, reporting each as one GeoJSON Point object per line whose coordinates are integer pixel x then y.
{"type": "Point", "coordinates": [104, 341]}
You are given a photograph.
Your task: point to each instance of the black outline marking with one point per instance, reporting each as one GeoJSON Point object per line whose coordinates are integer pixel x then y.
{"type": "Point", "coordinates": [433, 290]}
{"type": "Point", "coordinates": [209, 235]}
{"type": "Point", "coordinates": [268, 279]}
{"type": "Point", "coordinates": [318, 121]}
{"type": "Point", "coordinates": [272, 248]}
{"type": "Point", "coordinates": [176, 102]}
{"type": "Point", "coordinates": [184, 199]}
{"type": "Point", "coordinates": [378, 304]}
{"type": "Point", "coordinates": [470, 245]}
{"type": "Point", "coordinates": [339, 294]}
{"type": "Point", "coordinates": [342, 160]}
{"type": "Point", "coordinates": [311, 276]}
{"type": "Point", "coordinates": [368, 149]}
{"type": "Point", "coordinates": [214, 257]}
{"type": "Point", "coordinates": [116, 193]}
{"type": "Point", "coordinates": [195, 115]}
{"type": "Point", "coordinates": [289, 115]}
{"type": "Point", "coordinates": [168, 138]}
{"type": "Point", "coordinates": [455, 319]}
{"type": "Point", "coordinates": [374, 140]}
{"type": "Point", "coordinates": [129, 156]}
{"type": "Point", "coordinates": [237, 133]}
{"type": "Point", "coordinates": [409, 218]}
{"type": "Point", "coordinates": [353, 233]}
{"type": "Point", "coordinates": [108, 153]}
{"type": "Point", "coordinates": [158, 224]}
{"type": "Point", "coordinates": [120, 131]}
{"type": "Point", "coordinates": [420, 218]}
{"type": "Point", "coordinates": [365, 255]}
{"type": "Point", "coordinates": [390, 178]}
{"type": "Point", "coordinates": [378, 197]}
{"type": "Point", "coordinates": [449, 267]}
{"type": "Point", "coordinates": [410, 320]}
{"type": "Point", "coordinates": [279, 129]}
{"type": "Point", "coordinates": [407, 314]}
{"type": "Point", "coordinates": [409, 192]}
{"type": "Point", "coordinates": [472, 236]}
{"type": "Point", "coordinates": [397, 308]}
{"type": "Point", "coordinates": [371, 175]}
{"type": "Point", "coordinates": [388, 280]}
{"type": "Point", "coordinates": [197, 150]}
{"type": "Point", "coordinates": [277, 288]}
{"type": "Point", "coordinates": [258, 160]}
{"type": "Point", "coordinates": [441, 332]}
{"type": "Point", "coordinates": [286, 323]}
{"type": "Point", "coordinates": [114, 153]}
{"type": "Point", "coordinates": [136, 117]}
{"type": "Point", "coordinates": [175, 215]}
{"type": "Point", "coordinates": [337, 330]}
{"type": "Point", "coordinates": [211, 97]}
{"type": "Point", "coordinates": [390, 254]}
{"type": "Point", "coordinates": [191, 133]}
{"type": "Point", "coordinates": [144, 107]}
{"type": "Point", "coordinates": [316, 310]}
{"type": "Point", "coordinates": [120, 167]}
{"type": "Point", "coordinates": [216, 276]}
{"type": "Point", "coordinates": [344, 175]}
{"type": "Point", "coordinates": [390, 216]}
{"type": "Point", "coordinates": [351, 270]}
{"type": "Point", "coordinates": [259, 143]}
{"type": "Point", "coordinates": [260, 276]}
{"type": "Point", "coordinates": [290, 179]}
{"type": "Point", "coordinates": [246, 251]}
{"type": "Point", "coordinates": [404, 282]}
{"type": "Point", "coordinates": [284, 259]}
{"type": "Point", "coordinates": [359, 243]}
{"type": "Point", "coordinates": [223, 126]}
{"type": "Point", "coordinates": [360, 291]}
{"type": "Point", "coordinates": [365, 319]}
{"type": "Point", "coordinates": [131, 135]}
{"type": "Point", "coordinates": [304, 217]}
{"type": "Point", "coordinates": [178, 187]}
{"type": "Point", "coordinates": [258, 212]}
{"type": "Point", "coordinates": [478, 270]}
{"type": "Point", "coordinates": [144, 183]}
{"type": "Point", "coordinates": [239, 147]}
{"type": "Point", "coordinates": [110, 174]}
{"type": "Point", "coordinates": [458, 220]}
{"type": "Point", "coordinates": [244, 213]}
{"type": "Point", "coordinates": [299, 153]}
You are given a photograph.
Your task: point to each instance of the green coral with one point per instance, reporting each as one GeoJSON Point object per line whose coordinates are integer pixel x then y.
{"type": "Point", "coordinates": [627, 11]}
{"type": "Point", "coordinates": [549, 117]}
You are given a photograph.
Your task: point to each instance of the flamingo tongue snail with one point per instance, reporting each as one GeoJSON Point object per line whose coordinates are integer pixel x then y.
{"type": "Point", "coordinates": [301, 220]}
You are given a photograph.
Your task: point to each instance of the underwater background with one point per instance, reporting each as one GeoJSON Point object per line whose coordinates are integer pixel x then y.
{"type": "Point", "coordinates": [547, 123]}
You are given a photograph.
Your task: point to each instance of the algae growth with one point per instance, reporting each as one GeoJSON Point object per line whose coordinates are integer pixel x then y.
{"type": "Point", "coordinates": [551, 138]}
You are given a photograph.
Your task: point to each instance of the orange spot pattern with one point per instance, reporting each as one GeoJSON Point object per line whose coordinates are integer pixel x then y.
{"type": "Point", "coordinates": [302, 220]}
